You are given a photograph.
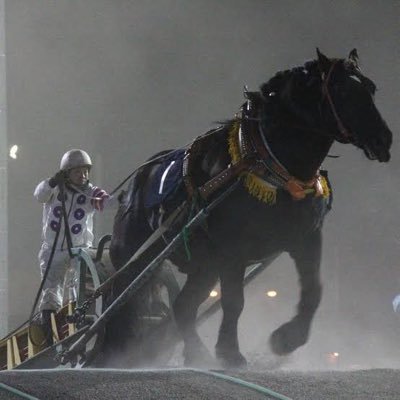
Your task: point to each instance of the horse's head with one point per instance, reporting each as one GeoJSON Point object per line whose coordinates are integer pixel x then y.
{"type": "Point", "coordinates": [348, 107]}
{"type": "Point", "coordinates": [332, 97]}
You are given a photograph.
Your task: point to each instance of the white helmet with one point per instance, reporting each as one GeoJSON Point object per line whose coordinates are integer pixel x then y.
{"type": "Point", "coordinates": [75, 158]}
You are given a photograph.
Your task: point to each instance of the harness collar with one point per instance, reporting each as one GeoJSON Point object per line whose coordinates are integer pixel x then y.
{"type": "Point", "coordinates": [266, 167]}
{"type": "Point", "coordinates": [253, 160]}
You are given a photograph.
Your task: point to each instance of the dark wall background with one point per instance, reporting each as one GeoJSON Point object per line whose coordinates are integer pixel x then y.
{"type": "Point", "coordinates": [125, 79]}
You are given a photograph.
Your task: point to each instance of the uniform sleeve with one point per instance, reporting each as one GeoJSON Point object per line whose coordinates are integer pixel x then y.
{"type": "Point", "coordinates": [43, 191]}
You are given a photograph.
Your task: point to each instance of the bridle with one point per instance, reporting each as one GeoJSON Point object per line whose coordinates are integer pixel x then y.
{"type": "Point", "coordinates": [345, 136]}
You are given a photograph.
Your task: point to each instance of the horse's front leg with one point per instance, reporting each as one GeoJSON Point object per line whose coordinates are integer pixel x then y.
{"type": "Point", "coordinates": [196, 290]}
{"type": "Point", "coordinates": [307, 256]}
{"type": "Point", "coordinates": [232, 302]}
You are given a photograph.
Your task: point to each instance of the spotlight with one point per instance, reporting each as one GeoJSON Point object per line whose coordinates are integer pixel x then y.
{"type": "Point", "coordinates": [213, 293]}
{"type": "Point", "coordinates": [272, 293]}
{"type": "Point", "coordinates": [14, 151]}
{"type": "Point", "coordinates": [333, 357]}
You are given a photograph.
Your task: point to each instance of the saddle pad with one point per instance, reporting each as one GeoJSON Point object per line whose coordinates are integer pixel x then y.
{"type": "Point", "coordinates": [167, 179]}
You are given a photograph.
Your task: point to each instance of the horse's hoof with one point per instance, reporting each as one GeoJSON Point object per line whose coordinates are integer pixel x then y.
{"type": "Point", "coordinates": [287, 338]}
{"type": "Point", "coordinates": [231, 360]}
{"type": "Point", "coordinates": [278, 344]}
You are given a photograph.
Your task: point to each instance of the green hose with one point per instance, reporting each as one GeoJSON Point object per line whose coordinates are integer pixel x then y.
{"type": "Point", "coordinates": [17, 392]}
{"type": "Point", "coordinates": [241, 382]}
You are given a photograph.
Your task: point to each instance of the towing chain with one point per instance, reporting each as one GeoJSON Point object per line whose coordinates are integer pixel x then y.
{"type": "Point", "coordinates": [78, 316]}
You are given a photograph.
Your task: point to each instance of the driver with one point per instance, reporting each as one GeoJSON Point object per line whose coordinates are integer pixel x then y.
{"type": "Point", "coordinates": [82, 199]}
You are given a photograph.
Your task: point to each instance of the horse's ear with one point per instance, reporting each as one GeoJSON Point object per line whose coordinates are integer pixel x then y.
{"type": "Point", "coordinates": [323, 62]}
{"type": "Point", "coordinates": [353, 57]}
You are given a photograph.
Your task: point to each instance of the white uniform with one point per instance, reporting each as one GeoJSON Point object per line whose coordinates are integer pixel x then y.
{"type": "Point", "coordinates": [80, 209]}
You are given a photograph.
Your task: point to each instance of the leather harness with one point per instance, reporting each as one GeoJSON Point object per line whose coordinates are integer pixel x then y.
{"type": "Point", "coordinates": [256, 158]}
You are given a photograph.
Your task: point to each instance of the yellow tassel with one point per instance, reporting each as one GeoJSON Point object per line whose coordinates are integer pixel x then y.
{"type": "Point", "coordinates": [260, 189]}
{"type": "Point", "coordinates": [256, 186]}
{"type": "Point", "coordinates": [325, 187]}
{"type": "Point", "coordinates": [233, 144]}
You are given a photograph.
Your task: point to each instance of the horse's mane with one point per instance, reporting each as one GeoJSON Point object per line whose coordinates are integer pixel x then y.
{"type": "Point", "coordinates": [300, 96]}
{"type": "Point", "coordinates": [302, 73]}
{"type": "Point", "coordinates": [275, 84]}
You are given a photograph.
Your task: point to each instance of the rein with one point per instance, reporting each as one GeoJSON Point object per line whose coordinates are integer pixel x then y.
{"type": "Point", "coordinates": [152, 161]}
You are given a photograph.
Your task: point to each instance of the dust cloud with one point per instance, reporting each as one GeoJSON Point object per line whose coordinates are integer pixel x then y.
{"type": "Point", "coordinates": [124, 79]}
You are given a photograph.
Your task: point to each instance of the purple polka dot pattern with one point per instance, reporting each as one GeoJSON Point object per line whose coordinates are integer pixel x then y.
{"type": "Point", "coordinates": [57, 211]}
{"type": "Point", "coordinates": [76, 228]}
{"type": "Point", "coordinates": [79, 214]}
{"type": "Point", "coordinates": [54, 225]}
{"type": "Point", "coordinates": [59, 196]}
{"type": "Point", "coordinates": [81, 199]}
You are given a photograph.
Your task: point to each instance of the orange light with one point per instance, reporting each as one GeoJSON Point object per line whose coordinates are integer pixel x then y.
{"type": "Point", "coordinates": [333, 357]}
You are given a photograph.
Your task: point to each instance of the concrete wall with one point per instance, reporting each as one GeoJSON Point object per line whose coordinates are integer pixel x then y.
{"type": "Point", "coordinates": [124, 79]}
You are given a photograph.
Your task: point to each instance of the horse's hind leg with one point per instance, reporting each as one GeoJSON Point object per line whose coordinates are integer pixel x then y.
{"type": "Point", "coordinates": [196, 290]}
{"type": "Point", "coordinates": [232, 301]}
{"type": "Point", "coordinates": [307, 257]}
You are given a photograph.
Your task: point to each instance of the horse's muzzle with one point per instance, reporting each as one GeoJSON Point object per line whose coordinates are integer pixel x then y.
{"type": "Point", "coordinates": [378, 148]}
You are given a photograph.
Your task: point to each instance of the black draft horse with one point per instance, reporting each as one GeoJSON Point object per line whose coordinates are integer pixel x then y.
{"type": "Point", "coordinates": [275, 146]}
